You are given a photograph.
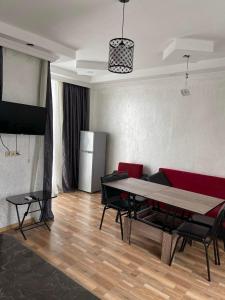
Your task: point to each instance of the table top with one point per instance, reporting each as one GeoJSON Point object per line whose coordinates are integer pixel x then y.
{"type": "Point", "coordinates": [20, 199]}
{"type": "Point", "coordinates": [183, 199]}
{"type": "Point", "coordinates": [136, 186]}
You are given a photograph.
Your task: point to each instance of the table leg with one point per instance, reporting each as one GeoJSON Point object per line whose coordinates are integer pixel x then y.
{"type": "Point", "coordinates": [127, 228]}
{"type": "Point", "coordinates": [21, 223]}
{"type": "Point", "coordinates": [168, 244]}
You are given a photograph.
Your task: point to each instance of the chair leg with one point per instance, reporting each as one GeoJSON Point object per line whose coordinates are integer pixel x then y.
{"type": "Point", "coordinates": [207, 261]}
{"type": "Point", "coordinates": [215, 252]}
{"type": "Point", "coordinates": [174, 250]}
{"type": "Point", "coordinates": [218, 252]}
{"type": "Point", "coordinates": [190, 242]}
{"type": "Point", "coordinates": [103, 214]}
{"type": "Point", "coordinates": [184, 242]}
{"type": "Point", "coordinates": [121, 225]}
{"type": "Point", "coordinates": [117, 217]}
{"type": "Point", "coordinates": [130, 231]}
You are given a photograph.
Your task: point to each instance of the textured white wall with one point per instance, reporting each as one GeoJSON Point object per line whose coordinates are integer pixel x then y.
{"type": "Point", "coordinates": [21, 84]}
{"type": "Point", "coordinates": [150, 122]}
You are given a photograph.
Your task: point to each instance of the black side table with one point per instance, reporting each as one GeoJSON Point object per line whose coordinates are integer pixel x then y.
{"type": "Point", "coordinates": [40, 197]}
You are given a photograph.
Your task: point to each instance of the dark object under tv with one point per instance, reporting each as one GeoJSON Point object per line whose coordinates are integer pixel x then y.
{"type": "Point", "coordinates": [18, 118]}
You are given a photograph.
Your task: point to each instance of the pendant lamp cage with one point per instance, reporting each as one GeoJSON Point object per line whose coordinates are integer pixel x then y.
{"type": "Point", "coordinates": [121, 51]}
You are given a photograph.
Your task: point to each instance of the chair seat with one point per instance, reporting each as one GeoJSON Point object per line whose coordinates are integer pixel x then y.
{"type": "Point", "coordinates": [204, 220]}
{"type": "Point", "coordinates": [118, 203]}
{"type": "Point", "coordinates": [140, 199]}
{"type": "Point", "coordinates": [193, 231]}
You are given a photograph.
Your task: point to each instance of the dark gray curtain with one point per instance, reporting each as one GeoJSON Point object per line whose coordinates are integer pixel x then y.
{"type": "Point", "coordinates": [48, 148]}
{"type": "Point", "coordinates": [1, 72]}
{"type": "Point", "coordinates": [75, 119]}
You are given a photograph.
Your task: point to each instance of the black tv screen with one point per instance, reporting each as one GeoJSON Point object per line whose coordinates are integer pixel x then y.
{"type": "Point", "coordinates": [18, 118]}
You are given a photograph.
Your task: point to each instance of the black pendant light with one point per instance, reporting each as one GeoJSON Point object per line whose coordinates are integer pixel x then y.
{"type": "Point", "coordinates": [186, 91]}
{"type": "Point", "coordinates": [121, 52]}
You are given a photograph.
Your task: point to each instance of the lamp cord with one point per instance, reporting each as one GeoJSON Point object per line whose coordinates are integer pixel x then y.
{"type": "Point", "coordinates": [123, 18]}
{"type": "Point", "coordinates": [187, 72]}
{"type": "Point", "coordinates": [4, 144]}
{"type": "Point", "coordinates": [17, 153]}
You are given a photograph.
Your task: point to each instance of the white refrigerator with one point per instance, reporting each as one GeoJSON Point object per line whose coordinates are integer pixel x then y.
{"type": "Point", "coordinates": [92, 160]}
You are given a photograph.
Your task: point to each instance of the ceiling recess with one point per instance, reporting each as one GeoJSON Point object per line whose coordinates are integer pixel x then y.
{"type": "Point", "coordinates": [198, 49]}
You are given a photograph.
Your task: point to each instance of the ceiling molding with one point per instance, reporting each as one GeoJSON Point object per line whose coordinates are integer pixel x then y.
{"type": "Point", "coordinates": [163, 72]}
{"type": "Point", "coordinates": [45, 44]}
{"type": "Point", "coordinates": [70, 77]}
{"type": "Point", "coordinates": [90, 67]}
{"type": "Point", "coordinates": [175, 80]}
{"type": "Point", "coordinates": [28, 50]}
{"type": "Point", "coordinates": [188, 46]}
{"type": "Point", "coordinates": [201, 67]}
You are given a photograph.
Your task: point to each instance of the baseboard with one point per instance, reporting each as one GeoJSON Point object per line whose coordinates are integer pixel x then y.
{"type": "Point", "coordinates": [13, 226]}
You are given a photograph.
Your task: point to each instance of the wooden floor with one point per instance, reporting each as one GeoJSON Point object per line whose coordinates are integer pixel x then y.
{"type": "Point", "coordinates": [111, 269]}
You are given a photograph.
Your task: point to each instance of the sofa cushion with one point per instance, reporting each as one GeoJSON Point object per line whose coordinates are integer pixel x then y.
{"type": "Point", "coordinates": [133, 170]}
{"type": "Point", "coordinates": [159, 178]}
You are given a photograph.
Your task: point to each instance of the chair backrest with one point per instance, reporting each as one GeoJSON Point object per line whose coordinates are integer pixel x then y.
{"type": "Point", "coordinates": [133, 170]}
{"type": "Point", "coordinates": [109, 192]}
{"type": "Point", "coordinates": [218, 221]}
{"type": "Point", "coordinates": [159, 178]}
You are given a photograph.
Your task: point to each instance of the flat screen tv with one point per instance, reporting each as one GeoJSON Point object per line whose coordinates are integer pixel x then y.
{"type": "Point", "coordinates": [18, 118]}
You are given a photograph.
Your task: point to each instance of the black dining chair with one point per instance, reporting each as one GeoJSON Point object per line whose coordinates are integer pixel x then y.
{"type": "Point", "coordinates": [160, 178]}
{"type": "Point", "coordinates": [113, 200]}
{"type": "Point", "coordinates": [203, 234]}
{"type": "Point", "coordinates": [209, 221]}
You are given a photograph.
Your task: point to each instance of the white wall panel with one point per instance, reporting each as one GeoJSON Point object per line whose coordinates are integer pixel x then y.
{"type": "Point", "coordinates": [150, 122]}
{"type": "Point", "coordinates": [21, 84]}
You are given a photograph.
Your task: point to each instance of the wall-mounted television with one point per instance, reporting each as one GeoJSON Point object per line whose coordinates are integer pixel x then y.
{"type": "Point", "coordinates": [18, 118]}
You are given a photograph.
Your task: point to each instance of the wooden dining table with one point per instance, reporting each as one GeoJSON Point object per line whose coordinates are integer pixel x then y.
{"type": "Point", "coordinates": [182, 199]}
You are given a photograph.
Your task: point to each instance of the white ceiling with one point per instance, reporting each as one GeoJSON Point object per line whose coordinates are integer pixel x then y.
{"type": "Point", "coordinates": [88, 25]}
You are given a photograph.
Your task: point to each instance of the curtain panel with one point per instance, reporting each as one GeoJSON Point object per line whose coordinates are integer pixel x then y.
{"type": "Point", "coordinates": [57, 105]}
{"type": "Point", "coordinates": [75, 118]}
{"type": "Point", "coordinates": [48, 147]}
{"type": "Point", "coordinates": [1, 72]}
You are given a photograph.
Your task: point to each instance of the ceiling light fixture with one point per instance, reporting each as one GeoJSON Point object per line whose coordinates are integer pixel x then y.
{"type": "Point", "coordinates": [121, 52]}
{"type": "Point", "coordinates": [186, 91]}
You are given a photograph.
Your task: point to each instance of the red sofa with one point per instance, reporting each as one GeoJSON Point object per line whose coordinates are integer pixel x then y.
{"type": "Point", "coordinates": [198, 183]}
{"type": "Point", "coordinates": [133, 170]}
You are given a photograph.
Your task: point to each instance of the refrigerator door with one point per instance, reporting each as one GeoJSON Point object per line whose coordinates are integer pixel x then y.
{"type": "Point", "coordinates": [85, 173]}
{"type": "Point", "coordinates": [87, 141]}
{"type": "Point", "coordinates": [98, 160]}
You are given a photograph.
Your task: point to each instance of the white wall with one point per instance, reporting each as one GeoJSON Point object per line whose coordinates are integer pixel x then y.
{"type": "Point", "coordinates": [21, 84]}
{"type": "Point", "coordinates": [149, 122]}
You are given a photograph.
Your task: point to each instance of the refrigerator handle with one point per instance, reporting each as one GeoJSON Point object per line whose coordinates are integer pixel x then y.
{"type": "Point", "coordinates": [85, 151]}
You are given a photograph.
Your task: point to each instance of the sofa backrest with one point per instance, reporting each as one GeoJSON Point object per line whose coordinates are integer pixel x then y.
{"type": "Point", "coordinates": [133, 170]}
{"type": "Point", "coordinates": [198, 183]}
